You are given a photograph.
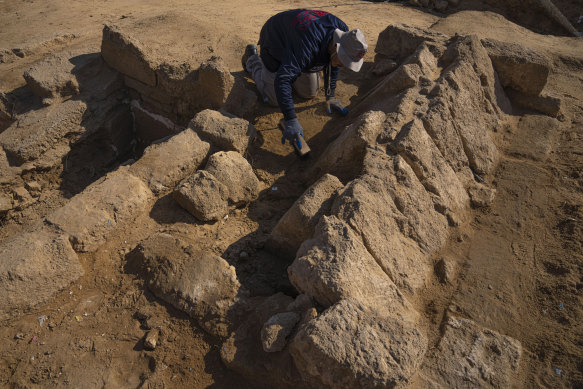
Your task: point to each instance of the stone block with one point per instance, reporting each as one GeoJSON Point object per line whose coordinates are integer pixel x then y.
{"type": "Point", "coordinates": [400, 41]}
{"type": "Point", "coordinates": [230, 168]}
{"type": "Point", "coordinates": [92, 216]}
{"type": "Point", "coordinates": [224, 131]}
{"type": "Point", "coordinates": [299, 222]}
{"type": "Point", "coordinates": [469, 356]}
{"type": "Point", "coordinates": [203, 196]}
{"type": "Point", "coordinates": [353, 345]}
{"type": "Point", "coordinates": [42, 130]}
{"type": "Point", "coordinates": [128, 55]}
{"type": "Point", "coordinates": [165, 164]}
{"type": "Point", "coordinates": [34, 267]}
{"type": "Point", "coordinates": [201, 284]}
{"type": "Point", "coordinates": [518, 67]}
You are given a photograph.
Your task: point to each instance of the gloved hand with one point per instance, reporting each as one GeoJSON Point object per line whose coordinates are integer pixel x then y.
{"type": "Point", "coordinates": [333, 103]}
{"type": "Point", "coordinates": [293, 130]}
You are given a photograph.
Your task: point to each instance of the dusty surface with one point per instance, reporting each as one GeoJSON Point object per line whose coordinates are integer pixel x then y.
{"type": "Point", "coordinates": [518, 263]}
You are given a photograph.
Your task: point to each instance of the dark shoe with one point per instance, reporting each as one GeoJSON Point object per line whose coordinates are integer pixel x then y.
{"type": "Point", "coordinates": [249, 51]}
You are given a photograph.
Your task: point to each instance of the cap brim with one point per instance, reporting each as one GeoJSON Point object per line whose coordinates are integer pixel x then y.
{"type": "Point", "coordinates": [347, 61]}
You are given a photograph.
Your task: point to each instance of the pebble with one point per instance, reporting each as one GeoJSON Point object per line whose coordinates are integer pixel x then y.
{"type": "Point", "coordinates": [490, 287]}
{"type": "Point", "coordinates": [151, 340]}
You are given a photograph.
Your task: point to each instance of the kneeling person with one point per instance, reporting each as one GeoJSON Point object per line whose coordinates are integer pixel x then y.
{"type": "Point", "coordinates": [295, 46]}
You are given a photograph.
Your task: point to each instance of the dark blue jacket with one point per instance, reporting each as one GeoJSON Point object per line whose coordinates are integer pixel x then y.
{"type": "Point", "coordinates": [297, 41]}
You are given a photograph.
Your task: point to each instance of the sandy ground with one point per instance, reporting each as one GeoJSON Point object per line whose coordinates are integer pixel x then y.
{"type": "Point", "coordinates": [520, 262]}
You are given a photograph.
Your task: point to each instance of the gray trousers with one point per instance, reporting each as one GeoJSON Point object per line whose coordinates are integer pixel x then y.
{"type": "Point", "coordinates": [306, 86]}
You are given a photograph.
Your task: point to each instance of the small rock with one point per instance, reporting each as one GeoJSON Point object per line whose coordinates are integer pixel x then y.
{"type": "Point", "coordinates": [33, 187]}
{"type": "Point", "coordinates": [19, 336]}
{"type": "Point", "coordinates": [276, 330]}
{"type": "Point", "coordinates": [481, 196]}
{"type": "Point", "coordinates": [151, 323]}
{"type": "Point", "coordinates": [151, 339]}
{"type": "Point", "coordinates": [490, 287]}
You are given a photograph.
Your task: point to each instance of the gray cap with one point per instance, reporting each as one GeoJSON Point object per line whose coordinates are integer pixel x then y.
{"type": "Point", "coordinates": [351, 48]}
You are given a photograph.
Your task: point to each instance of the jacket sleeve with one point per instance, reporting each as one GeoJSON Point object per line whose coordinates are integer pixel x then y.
{"type": "Point", "coordinates": [286, 75]}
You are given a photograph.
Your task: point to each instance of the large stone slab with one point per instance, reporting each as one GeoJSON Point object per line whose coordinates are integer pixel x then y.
{"type": "Point", "coordinates": [201, 284]}
{"type": "Point", "coordinates": [416, 147]}
{"type": "Point", "coordinates": [178, 85]}
{"type": "Point", "coordinates": [224, 131]}
{"type": "Point", "coordinates": [465, 107]}
{"type": "Point", "coordinates": [335, 265]}
{"type": "Point", "coordinates": [354, 345]}
{"type": "Point", "coordinates": [127, 55]}
{"type": "Point", "coordinates": [399, 41]}
{"type": "Point", "coordinates": [166, 163]}
{"type": "Point", "coordinates": [42, 130]}
{"type": "Point", "coordinates": [369, 209]}
{"type": "Point", "coordinates": [534, 137]}
{"type": "Point", "coordinates": [343, 157]}
{"type": "Point", "coordinates": [469, 356]}
{"type": "Point", "coordinates": [420, 221]}
{"type": "Point", "coordinates": [91, 217]}
{"type": "Point", "coordinates": [33, 267]}
{"type": "Point", "coordinates": [299, 222]}
{"type": "Point", "coordinates": [520, 68]}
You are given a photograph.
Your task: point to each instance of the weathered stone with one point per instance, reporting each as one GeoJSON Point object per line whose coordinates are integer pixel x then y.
{"type": "Point", "coordinates": [276, 330]}
{"type": "Point", "coordinates": [467, 87]}
{"type": "Point", "coordinates": [53, 77]}
{"type": "Point", "coordinates": [386, 213]}
{"type": "Point", "coordinates": [518, 67]}
{"type": "Point", "coordinates": [200, 284]}
{"type": "Point", "coordinates": [203, 196]}
{"type": "Point", "coordinates": [384, 66]}
{"type": "Point", "coordinates": [22, 197]}
{"type": "Point", "coordinates": [299, 222]}
{"type": "Point", "coordinates": [34, 267]}
{"type": "Point", "coordinates": [481, 196]}
{"type": "Point", "coordinates": [165, 164]}
{"type": "Point", "coordinates": [33, 187]}
{"type": "Point", "coordinates": [5, 203]}
{"type": "Point", "coordinates": [39, 131]}
{"type": "Point", "coordinates": [91, 217]}
{"type": "Point", "coordinates": [422, 222]}
{"type": "Point", "coordinates": [127, 55]}
{"type": "Point", "coordinates": [343, 157]}
{"type": "Point", "coordinates": [243, 351]}
{"type": "Point", "coordinates": [151, 339]}
{"type": "Point", "coordinates": [230, 168]}
{"type": "Point", "coordinates": [335, 265]}
{"type": "Point", "coordinates": [400, 41]}
{"type": "Point", "coordinates": [149, 126]}
{"type": "Point", "coordinates": [445, 270]}
{"type": "Point", "coordinates": [353, 345]}
{"type": "Point", "coordinates": [224, 131]}
{"type": "Point", "coordinates": [216, 80]}
{"type": "Point", "coordinates": [416, 147]}
{"type": "Point", "coordinates": [544, 103]}
{"type": "Point", "coordinates": [534, 137]}
{"type": "Point", "coordinates": [469, 356]}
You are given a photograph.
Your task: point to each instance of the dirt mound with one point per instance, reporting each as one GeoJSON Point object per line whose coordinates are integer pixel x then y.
{"type": "Point", "coordinates": [153, 223]}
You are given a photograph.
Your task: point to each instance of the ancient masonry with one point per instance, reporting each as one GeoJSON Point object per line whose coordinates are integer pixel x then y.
{"type": "Point", "coordinates": [384, 195]}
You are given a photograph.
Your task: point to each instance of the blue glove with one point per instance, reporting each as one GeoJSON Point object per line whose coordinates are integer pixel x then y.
{"type": "Point", "coordinates": [292, 132]}
{"type": "Point", "coordinates": [333, 103]}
